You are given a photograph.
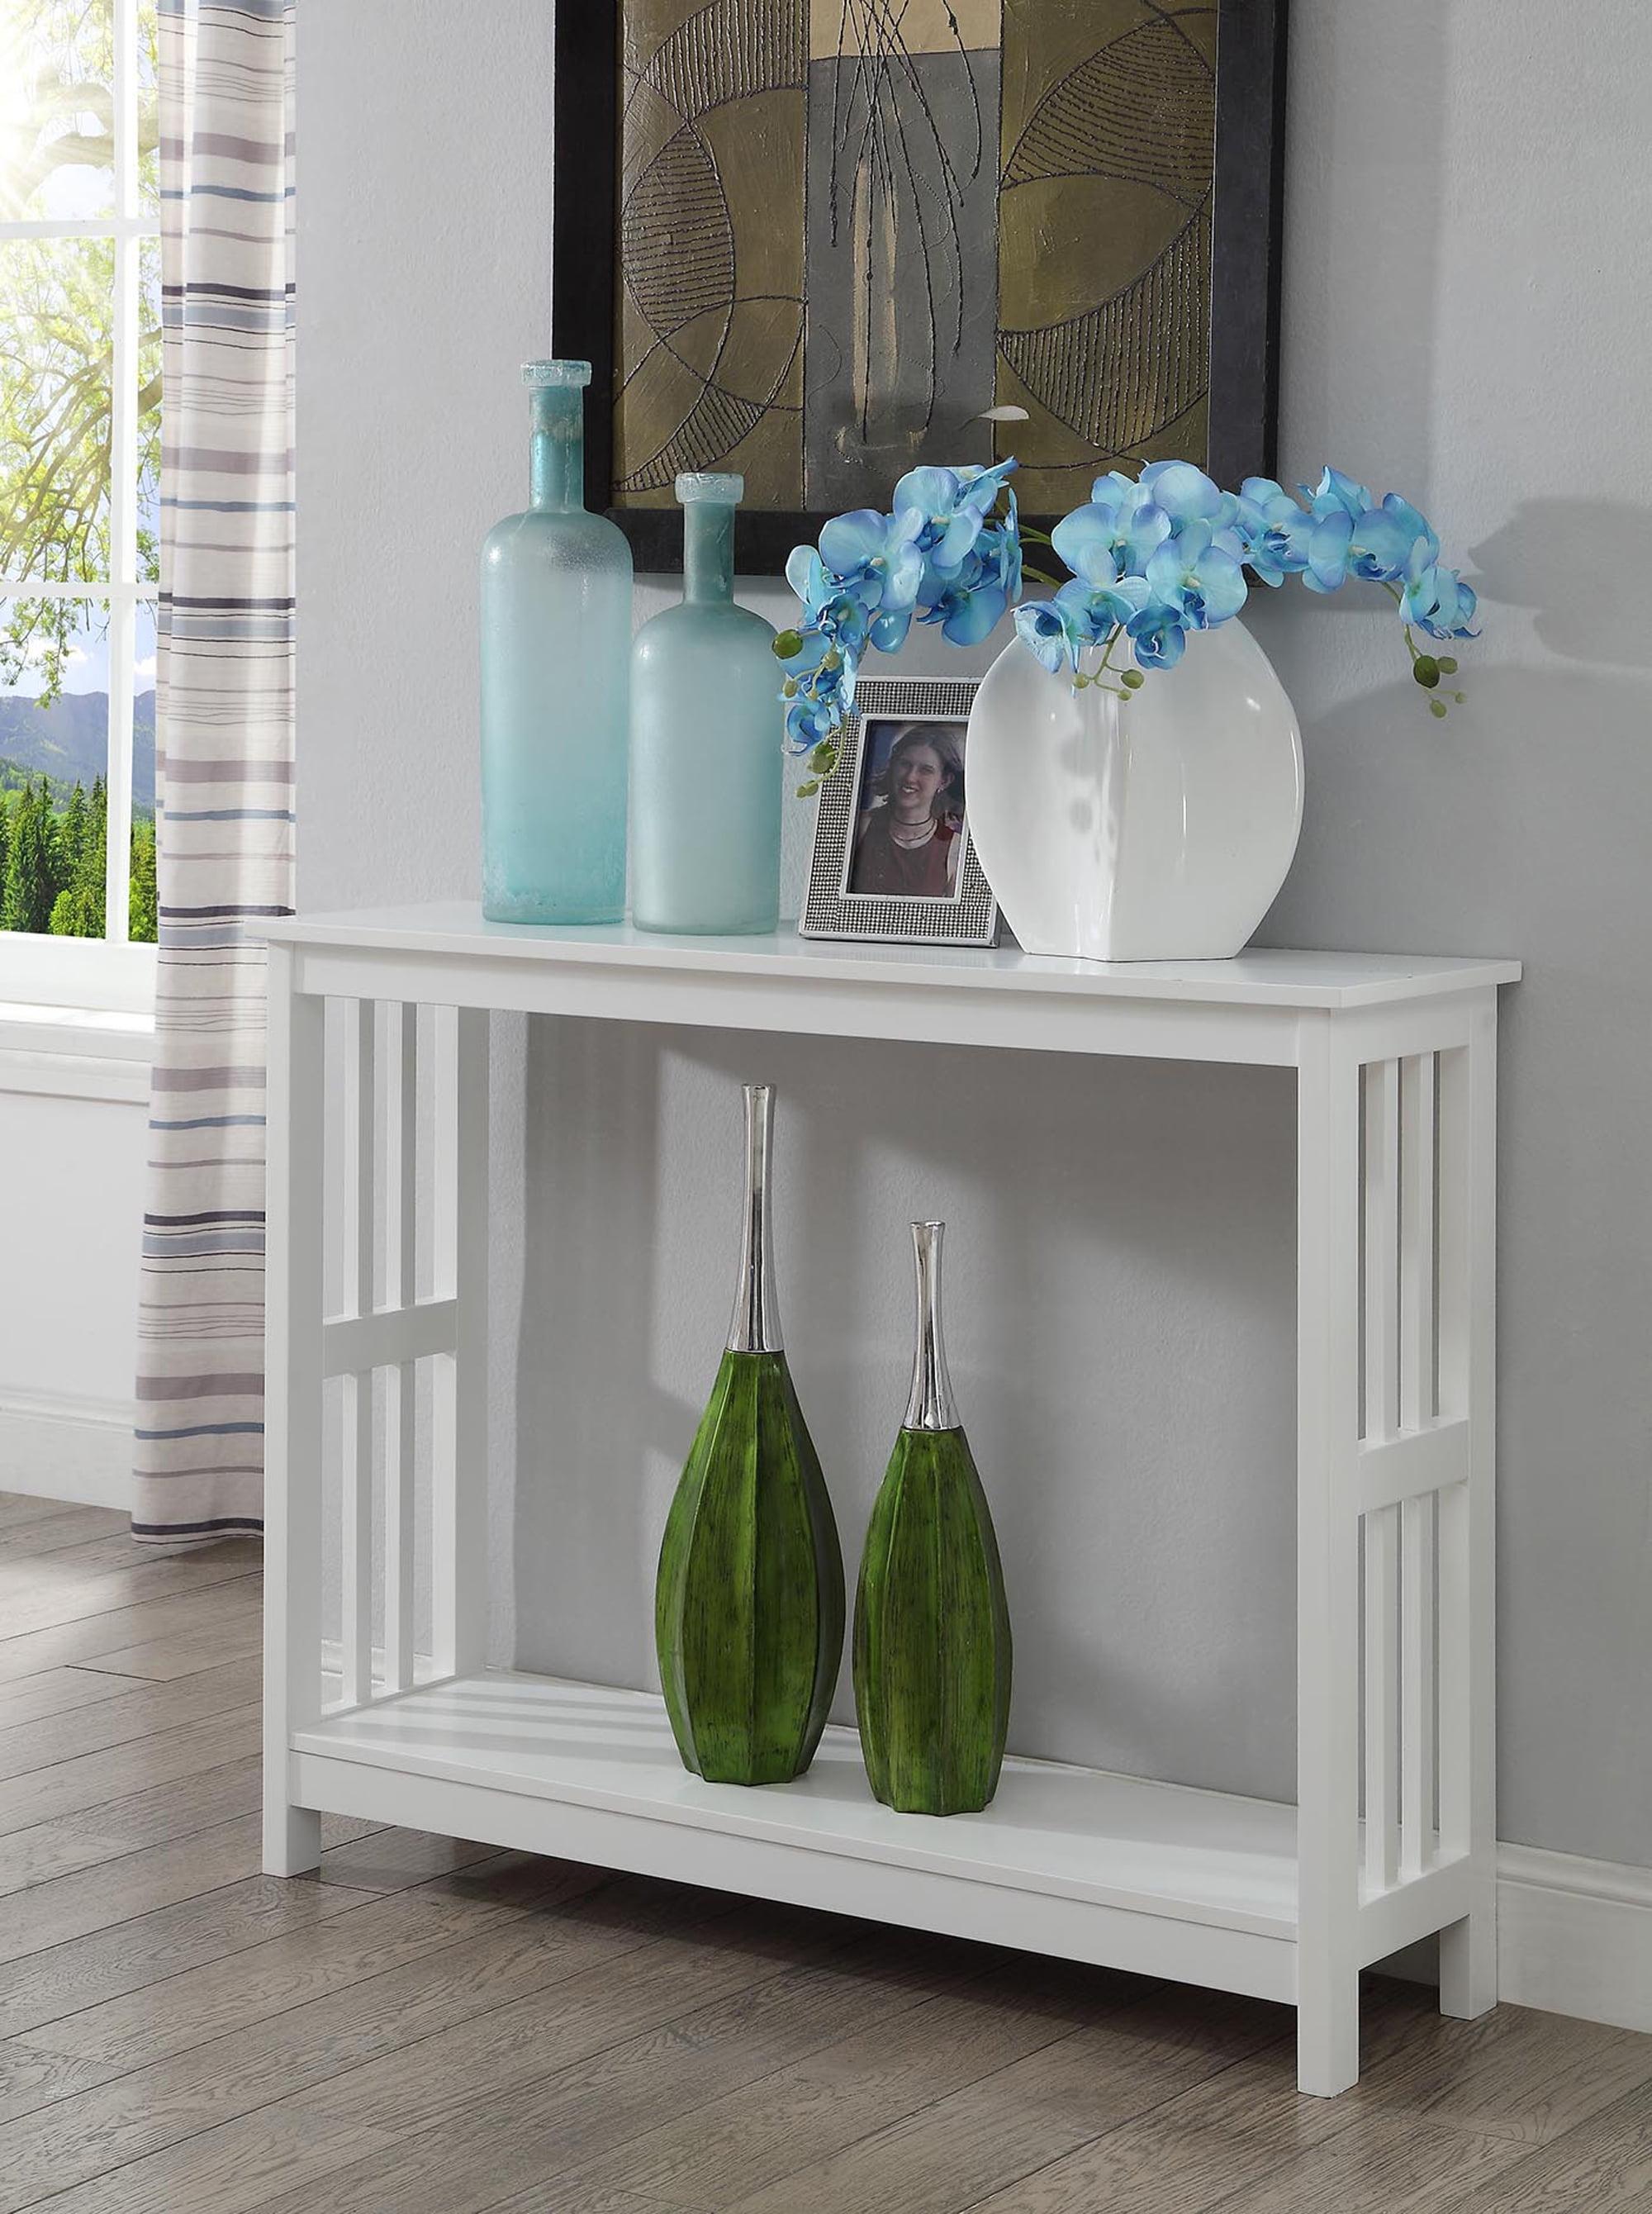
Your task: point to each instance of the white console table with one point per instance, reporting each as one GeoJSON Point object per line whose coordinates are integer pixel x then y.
{"type": "Point", "coordinates": [1391, 1836]}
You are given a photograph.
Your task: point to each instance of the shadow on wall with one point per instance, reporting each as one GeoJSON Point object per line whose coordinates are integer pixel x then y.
{"type": "Point", "coordinates": [1120, 1317]}
{"type": "Point", "coordinates": [1582, 567]}
{"type": "Point", "coordinates": [1519, 825]}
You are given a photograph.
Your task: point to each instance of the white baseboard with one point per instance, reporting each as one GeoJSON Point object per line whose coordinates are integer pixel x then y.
{"type": "Point", "coordinates": [76, 1450]}
{"type": "Point", "coordinates": [1575, 1936]}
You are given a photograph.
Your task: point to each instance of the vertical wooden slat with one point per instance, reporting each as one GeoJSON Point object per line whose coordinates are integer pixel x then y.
{"type": "Point", "coordinates": [1416, 1256]}
{"type": "Point", "coordinates": [292, 1490]}
{"type": "Point", "coordinates": [1381, 1249]}
{"type": "Point", "coordinates": [1382, 1708]}
{"type": "Point", "coordinates": [459, 1408]}
{"type": "Point", "coordinates": [356, 1394]}
{"type": "Point", "coordinates": [1418, 1731]}
{"type": "Point", "coordinates": [1416, 1543]}
{"type": "Point", "coordinates": [401, 1432]}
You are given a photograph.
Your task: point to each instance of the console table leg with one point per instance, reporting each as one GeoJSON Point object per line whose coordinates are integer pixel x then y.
{"type": "Point", "coordinates": [1327, 1558]}
{"type": "Point", "coordinates": [1468, 1790]}
{"type": "Point", "coordinates": [293, 1482]}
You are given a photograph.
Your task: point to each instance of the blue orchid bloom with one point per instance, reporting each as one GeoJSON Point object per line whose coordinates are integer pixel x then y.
{"type": "Point", "coordinates": [968, 612]}
{"type": "Point", "coordinates": [1380, 546]}
{"type": "Point", "coordinates": [946, 524]}
{"type": "Point", "coordinates": [829, 605]}
{"type": "Point", "coordinates": [1157, 635]}
{"type": "Point", "coordinates": [1098, 611]}
{"type": "Point", "coordinates": [1328, 544]}
{"type": "Point", "coordinates": [1053, 633]}
{"type": "Point", "coordinates": [1415, 525]}
{"type": "Point", "coordinates": [875, 557]}
{"type": "Point", "coordinates": [1336, 494]}
{"type": "Point", "coordinates": [1375, 546]}
{"type": "Point", "coordinates": [952, 506]}
{"type": "Point", "coordinates": [1185, 493]}
{"type": "Point", "coordinates": [1437, 600]}
{"type": "Point", "coordinates": [1275, 530]}
{"type": "Point", "coordinates": [999, 549]}
{"type": "Point", "coordinates": [1200, 578]}
{"type": "Point", "coordinates": [810, 719]}
{"type": "Point", "coordinates": [981, 485]}
{"type": "Point", "coordinates": [1111, 537]}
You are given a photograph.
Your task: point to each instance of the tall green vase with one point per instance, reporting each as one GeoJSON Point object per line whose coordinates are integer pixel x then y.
{"type": "Point", "coordinates": [931, 1627]}
{"type": "Point", "coordinates": [749, 1602]}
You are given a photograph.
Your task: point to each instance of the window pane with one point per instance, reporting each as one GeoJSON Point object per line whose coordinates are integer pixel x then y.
{"type": "Point", "coordinates": [141, 926]}
{"type": "Point", "coordinates": [148, 124]}
{"type": "Point", "coordinates": [148, 409]}
{"type": "Point", "coordinates": [57, 108]}
{"type": "Point", "coordinates": [54, 737]}
{"type": "Point", "coordinates": [57, 310]}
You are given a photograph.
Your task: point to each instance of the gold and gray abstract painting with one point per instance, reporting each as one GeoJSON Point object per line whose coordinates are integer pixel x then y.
{"type": "Point", "coordinates": [847, 227]}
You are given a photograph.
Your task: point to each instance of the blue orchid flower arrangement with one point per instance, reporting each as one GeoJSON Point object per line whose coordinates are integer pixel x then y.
{"type": "Point", "coordinates": [1151, 559]}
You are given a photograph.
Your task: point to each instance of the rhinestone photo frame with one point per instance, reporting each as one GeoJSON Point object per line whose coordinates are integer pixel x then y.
{"type": "Point", "coordinates": [969, 916]}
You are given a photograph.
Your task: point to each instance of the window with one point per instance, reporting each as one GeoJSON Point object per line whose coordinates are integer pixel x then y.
{"type": "Point", "coordinates": [80, 444]}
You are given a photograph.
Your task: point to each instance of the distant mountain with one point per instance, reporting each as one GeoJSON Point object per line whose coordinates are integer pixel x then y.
{"type": "Point", "coordinates": [69, 740]}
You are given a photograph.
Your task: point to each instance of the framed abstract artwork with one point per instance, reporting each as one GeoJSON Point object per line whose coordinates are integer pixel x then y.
{"type": "Point", "coordinates": [817, 241]}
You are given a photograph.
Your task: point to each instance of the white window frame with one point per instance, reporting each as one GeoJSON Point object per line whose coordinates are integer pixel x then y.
{"type": "Point", "coordinates": [110, 972]}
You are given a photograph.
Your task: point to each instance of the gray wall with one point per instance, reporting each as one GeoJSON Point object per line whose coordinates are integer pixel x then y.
{"type": "Point", "coordinates": [1466, 318]}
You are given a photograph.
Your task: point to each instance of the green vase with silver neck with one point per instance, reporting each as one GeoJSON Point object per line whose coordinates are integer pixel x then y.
{"type": "Point", "coordinates": [748, 1601]}
{"type": "Point", "coordinates": [932, 1625]}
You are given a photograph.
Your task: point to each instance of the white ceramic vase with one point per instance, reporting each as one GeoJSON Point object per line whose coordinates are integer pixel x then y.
{"type": "Point", "coordinates": [1155, 830]}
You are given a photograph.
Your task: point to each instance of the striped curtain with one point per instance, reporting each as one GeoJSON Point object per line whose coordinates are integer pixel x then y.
{"type": "Point", "coordinates": [225, 820]}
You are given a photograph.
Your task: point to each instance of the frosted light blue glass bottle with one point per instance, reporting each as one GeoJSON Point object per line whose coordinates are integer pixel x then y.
{"type": "Point", "coordinates": [556, 667]}
{"type": "Point", "coordinates": [707, 742]}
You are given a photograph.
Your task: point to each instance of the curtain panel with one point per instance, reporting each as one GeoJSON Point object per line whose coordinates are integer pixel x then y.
{"type": "Point", "coordinates": [225, 812]}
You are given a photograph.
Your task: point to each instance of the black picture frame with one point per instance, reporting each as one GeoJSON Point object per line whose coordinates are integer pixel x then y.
{"type": "Point", "coordinates": [1246, 259]}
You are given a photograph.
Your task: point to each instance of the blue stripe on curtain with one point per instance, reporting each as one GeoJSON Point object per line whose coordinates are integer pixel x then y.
{"type": "Point", "coordinates": [226, 720]}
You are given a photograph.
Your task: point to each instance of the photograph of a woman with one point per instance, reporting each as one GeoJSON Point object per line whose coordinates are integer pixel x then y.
{"type": "Point", "coordinates": [910, 826]}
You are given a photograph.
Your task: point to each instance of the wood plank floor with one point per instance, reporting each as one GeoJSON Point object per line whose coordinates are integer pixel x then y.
{"type": "Point", "coordinates": [432, 2028]}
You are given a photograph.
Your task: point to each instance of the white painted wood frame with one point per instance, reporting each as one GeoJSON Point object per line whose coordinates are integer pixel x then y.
{"type": "Point", "coordinates": [1391, 1838]}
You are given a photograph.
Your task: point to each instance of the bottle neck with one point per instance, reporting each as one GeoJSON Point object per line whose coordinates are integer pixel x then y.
{"type": "Point", "coordinates": [755, 1327]}
{"type": "Point", "coordinates": [557, 458]}
{"type": "Point", "coordinates": [930, 1405]}
{"type": "Point", "coordinates": [707, 552]}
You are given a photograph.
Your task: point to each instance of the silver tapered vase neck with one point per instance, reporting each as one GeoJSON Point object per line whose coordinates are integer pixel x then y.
{"type": "Point", "coordinates": [755, 1327]}
{"type": "Point", "coordinates": [930, 1405]}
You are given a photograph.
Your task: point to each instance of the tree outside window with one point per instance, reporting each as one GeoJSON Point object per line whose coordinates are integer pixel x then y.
{"type": "Point", "coordinates": [80, 429]}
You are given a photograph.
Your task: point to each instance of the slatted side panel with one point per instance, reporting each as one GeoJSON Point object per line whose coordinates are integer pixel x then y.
{"type": "Point", "coordinates": [400, 1092]}
{"type": "Point", "coordinates": [1413, 1444]}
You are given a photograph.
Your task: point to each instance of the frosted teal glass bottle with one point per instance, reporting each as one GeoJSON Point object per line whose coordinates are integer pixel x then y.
{"type": "Point", "coordinates": [707, 742]}
{"type": "Point", "coordinates": [556, 668]}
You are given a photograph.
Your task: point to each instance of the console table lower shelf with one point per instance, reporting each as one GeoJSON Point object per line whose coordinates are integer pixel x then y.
{"type": "Point", "coordinates": [1155, 1878]}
